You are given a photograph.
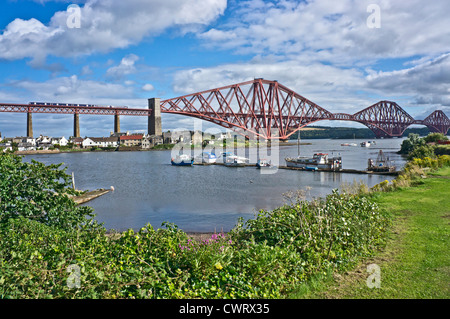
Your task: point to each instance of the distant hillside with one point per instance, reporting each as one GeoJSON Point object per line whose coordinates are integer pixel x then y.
{"type": "Point", "coordinates": [312, 132]}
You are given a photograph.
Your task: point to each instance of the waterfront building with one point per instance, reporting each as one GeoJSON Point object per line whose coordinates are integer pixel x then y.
{"type": "Point", "coordinates": [61, 141]}
{"type": "Point", "coordinates": [77, 141]}
{"type": "Point", "coordinates": [26, 146]}
{"type": "Point", "coordinates": [87, 142]}
{"type": "Point", "coordinates": [131, 140]}
{"type": "Point", "coordinates": [105, 141]}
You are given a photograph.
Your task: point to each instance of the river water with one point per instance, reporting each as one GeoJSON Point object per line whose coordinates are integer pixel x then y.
{"type": "Point", "coordinates": [148, 189]}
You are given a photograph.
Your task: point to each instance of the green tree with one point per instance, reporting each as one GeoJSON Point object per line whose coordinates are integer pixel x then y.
{"type": "Point", "coordinates": [410, 143]}
{"type": "Point", "coordinates": [38, 192]}
{"type": "Point", "coordinates": [422, 152]}
{"type": "Point", "coordinates": [435, 137]}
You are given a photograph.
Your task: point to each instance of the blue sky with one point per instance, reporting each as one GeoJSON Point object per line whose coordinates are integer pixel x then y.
{"type": "Point", "coordinates": [127, 51]}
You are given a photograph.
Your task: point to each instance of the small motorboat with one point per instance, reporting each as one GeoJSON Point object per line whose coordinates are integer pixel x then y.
{"type": "Point", "coordinates": [231, 159]}
{"type": "Point", "coordinates": [319, 160]}
{"type": "Point", "coordinates": [182, 160]}
{"type": "Point", "coordinates": [263, 163]}
{"type": "Point", "coordinates": [206, 157]}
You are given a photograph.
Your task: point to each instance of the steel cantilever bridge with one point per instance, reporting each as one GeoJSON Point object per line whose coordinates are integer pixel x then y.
{"type": "Point", "coordinates": [260, 106]}
{"type": "Point", "coordinates": [264, 108]}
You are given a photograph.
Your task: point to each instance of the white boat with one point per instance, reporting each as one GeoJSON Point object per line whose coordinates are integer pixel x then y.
{"type": "Point", "coordinates": [182, 160]}
{"type": "Point", "coordinates": [206, 157]}
{"type": "Point", "coordinates": [365, 144]}
{"type": "Point", "coordinates": [348, 144]}
{"type": "Point", "coordinates": [318, 161]}
{"type": "Point", "coordinates": [263, 164]}
{"type": "Point", "coordinates": [230, 157]}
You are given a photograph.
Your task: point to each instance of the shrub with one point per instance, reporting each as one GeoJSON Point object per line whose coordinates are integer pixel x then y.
{"type": "Point", "coordinates": [38, 192]}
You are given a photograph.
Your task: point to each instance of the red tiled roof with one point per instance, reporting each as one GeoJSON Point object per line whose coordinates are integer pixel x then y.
{"type": "Point", "coordinates": [131, 137]}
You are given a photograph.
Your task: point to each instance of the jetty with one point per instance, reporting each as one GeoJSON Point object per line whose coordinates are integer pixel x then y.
{"type": "Point", "coordinates": [342, 170]}
{"type": "Point", "coordinates": [90, 195]}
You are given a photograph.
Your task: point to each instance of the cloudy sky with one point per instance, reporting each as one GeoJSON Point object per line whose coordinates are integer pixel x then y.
{"type": "Point", "coordinates": [343, 55]}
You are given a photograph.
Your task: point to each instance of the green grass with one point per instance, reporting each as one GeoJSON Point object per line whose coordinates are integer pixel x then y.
{"type": "Point", "coordinates": [416, 261]}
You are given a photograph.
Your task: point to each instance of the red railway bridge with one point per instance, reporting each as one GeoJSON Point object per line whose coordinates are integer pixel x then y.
{"type": "Point", "coordinates": [263, 108]}
{"type": "Point", "coordinates": [260, 106]}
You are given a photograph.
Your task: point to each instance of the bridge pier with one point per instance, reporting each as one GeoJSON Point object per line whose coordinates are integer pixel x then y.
{"type": "Point", "coordinates": [29, 125]}
{"type": "Point", "coordinates": [76, 125]}
{"type": "Point", "coordinates": [116, 123]}
{"type": "Point", "coordinates": [154, 120]}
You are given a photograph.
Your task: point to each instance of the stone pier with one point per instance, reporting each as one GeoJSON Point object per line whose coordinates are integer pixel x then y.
{"type": "Point", "coordinates": [76, 125]}
{"type": "Point", "coordinates": [29, 124]}
{"type": "Point", "coordinates": [154, 120]}
{"type": "Point", "coordinates": [116, 123]}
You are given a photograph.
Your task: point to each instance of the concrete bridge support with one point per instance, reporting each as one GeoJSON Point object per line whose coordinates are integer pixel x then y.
{"type": "Point", "coordinates": [76, 125]}
{"type": "Point", "coordinates": [29, 124]}
{"type": "Point", "coordinates": [154, 120]}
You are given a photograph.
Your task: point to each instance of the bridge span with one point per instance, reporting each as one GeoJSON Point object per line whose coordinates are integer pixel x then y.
{"type": "Point", "coordinates": [258, 107]}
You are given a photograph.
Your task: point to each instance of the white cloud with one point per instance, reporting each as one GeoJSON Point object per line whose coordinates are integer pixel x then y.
{"type": "Point", "coordinates": [73, 90]}
{"type": "Point", "coordinates": [125, 67]}
{"type": "Point", "coordinates": [334, 31]}
{"type": "Point", "coordinates": [105, 25]}
{"type": "Point", "coordinates": [427, 82]}
{"type": "Point", "coordinates": [148, 87]}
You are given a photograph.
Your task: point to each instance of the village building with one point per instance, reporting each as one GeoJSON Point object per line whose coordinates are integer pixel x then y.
{"type": "Point", "coordinates": [148, 141]}
{"type": "Point", "coordinates": [44, 140]}
{"type": "Point", "coordinates": [105, 141]}
{"type": "Point", "coordinates": [131, 140]}
{"type": "Point", "coordinates": [26, 146]}
{"type": "Point", "coordinates": [76, 141]}
{"type": "Point", "coordinates": [61, 141]}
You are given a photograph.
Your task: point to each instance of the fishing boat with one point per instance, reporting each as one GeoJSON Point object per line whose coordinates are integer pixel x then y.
{"type": "Point", "coordinates": [382, 164]}
{"type": "Point", "coordinates": [206, 157]}
{"type": "Point", "coordinates": [319, 161]}
{"type": "Point", "coordinates": [231, 158]}
{"type": "Point", "coordinates": [182, 160]}
{"type": "Point", "coordinates": [234, 162]}
{"type": "Point", "coordinates": [263, 163]}
{"type": "Point", "coordinates": [365, 144]}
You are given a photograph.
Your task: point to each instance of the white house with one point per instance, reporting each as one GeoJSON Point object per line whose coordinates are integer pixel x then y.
{"type": "Point", "coordinates": [100, 142]}
{"type": "Point", "coordinates": [43, 140]}
{"type": "Point", "coordinates": [26, 147]}
{"type": "Point", "coordinates": [62, 141]}
{"type": "Point", "coordinates": [105, 141]}
{"type": "Point", "coordinates": [87, 142]}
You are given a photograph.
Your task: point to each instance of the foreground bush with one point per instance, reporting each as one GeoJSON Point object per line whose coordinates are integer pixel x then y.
{"type": "Point", "coordinates": [50, 248]}
{"type": "Point", "coordinates": [265, 258]}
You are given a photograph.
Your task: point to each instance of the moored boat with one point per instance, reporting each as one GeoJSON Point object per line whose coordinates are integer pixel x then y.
{"type": "Point", "coordinates": [382, 164]}
{"type": "Point", "coordinates": [263, 163]}
{"type": "Point", "coordinates": [231, 159]}
{"type": "Point", "coordinates": [319, 161]}
{"type": "Point", "coordinates": [206, 157]}
{"type": "Point", "coordinates": [182, 160]}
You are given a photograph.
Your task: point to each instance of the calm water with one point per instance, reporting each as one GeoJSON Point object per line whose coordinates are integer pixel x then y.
{"type": "Point", "coordinates": [148, 189]}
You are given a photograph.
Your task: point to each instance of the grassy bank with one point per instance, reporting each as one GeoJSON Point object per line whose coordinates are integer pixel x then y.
{"type": "Point", "coordinates": [416, 260]}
